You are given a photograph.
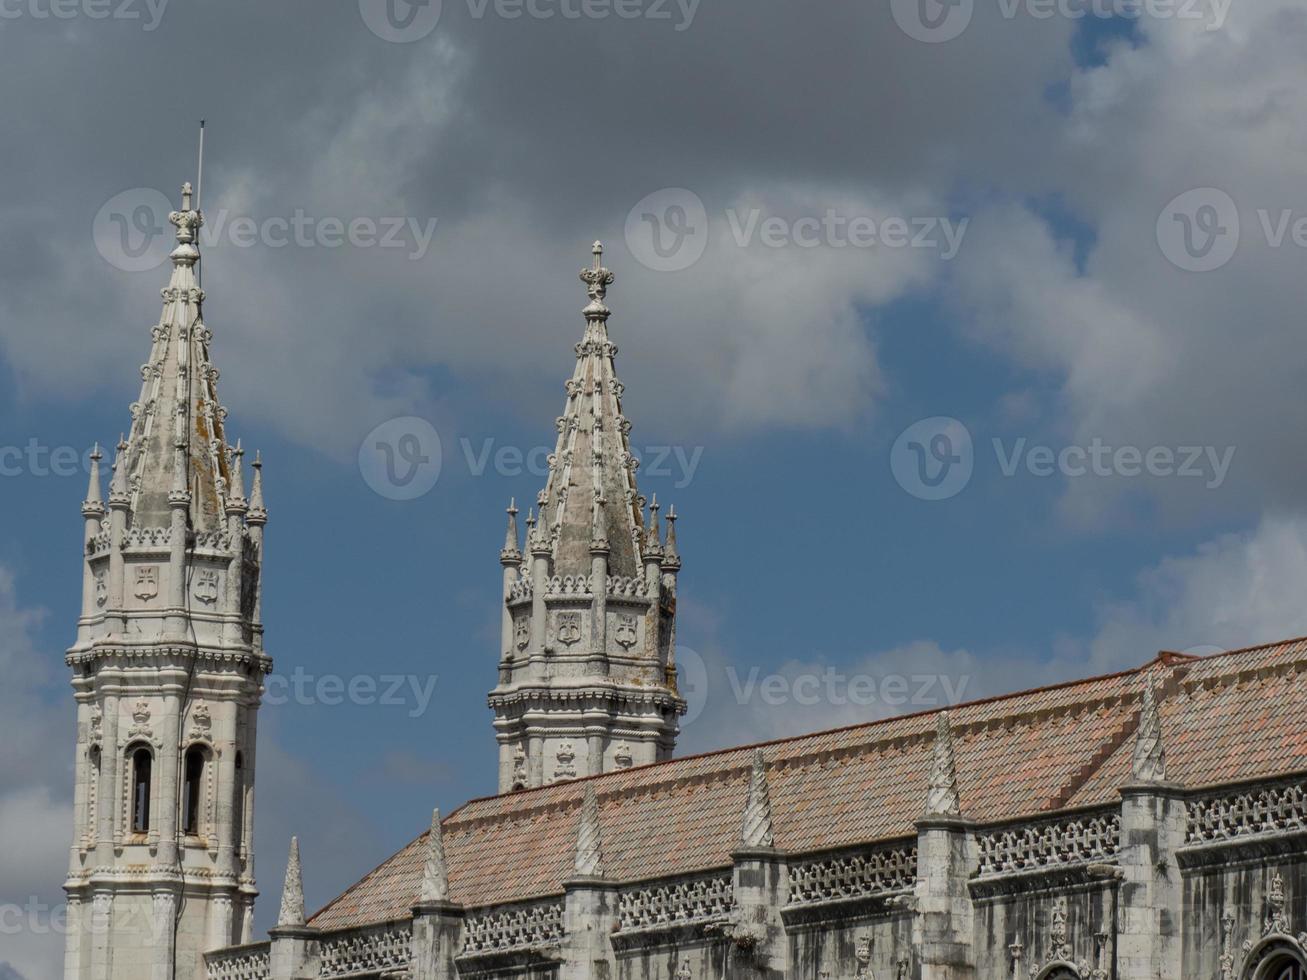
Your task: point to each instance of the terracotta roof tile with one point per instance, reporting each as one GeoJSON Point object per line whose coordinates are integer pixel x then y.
{"type": "Point", "coordinates": [1226, 718]}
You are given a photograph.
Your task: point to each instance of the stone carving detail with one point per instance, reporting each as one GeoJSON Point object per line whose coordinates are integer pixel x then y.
{"type": "Point", "coordinates": [366, 951]}
{"type": "Point", "coordinates": [141, 718]}
{"type": "Point", "coordinates": [1051, 844]}
{"type": "Point", "coordinates": [96, 731]}
{"type": "Point", "coordinates": [513, 928]}
{"type": "Point", "coordinates": [522, 632]}
{"type": "Point", "coordinates": [521, 589]}
{"type": "Point", "coordinates": [626, 634]}
{"type": "Point", "coordinates": [218, 540]}
{"type": "Point", "coordinates": [1277, 923]}
{"type": "Point", "coordinates": [206, 586]}
{"type": "Point", "coordinates": [519, 768]}
{"type": "Point", "coordinates": [621, 586]}
{"type": "Point", "coordinates": [153, 538]}
{"type": "Point", "coordinates": [242, 963]}
{"type": "Point", "coordinates": [942, 799]}
{"type": "Point", "coordinates": [569, 628]}
{"type": "Point", "coordinates": [569, 585]}
{"type": "Point", "coordinates": [1266, 809]}
{"type": "Point", "coordinates": [622, 758]}
{"type": "Point", "coordinates": [1060, 951]}
{"type": "Point", "coordinates": [683, 972]}
{"type": "Point", "coordinates": [862, 954]}
{"type": "Point", "coordinates": [1227, 945]}
{"type": "Point", "coordinates": [147, 582]}
{"type": "Point", "coordinates": [853, 876]}
{"type": "Point", "coordinates": [705, 899]}
{"type": "Point", "coordinates": [201, 722]}
{"type": "Point", "coordinates": [566, 768]}
{"type": "Point", "coordinates": [1149, 763]}
{"type": "Point", "coordinates": [101, 589]}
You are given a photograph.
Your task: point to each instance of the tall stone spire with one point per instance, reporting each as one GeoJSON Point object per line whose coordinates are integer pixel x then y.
{"type": "Point", "coordinates": [1149, 763]}
{"type": "Point", "coordinates": [292, 893]}
{"type": "Point", "coordinates": [587, 679]}
{"type": "Point", "coordinates": [172, 573]}
{"type": "Point", "coordinates": [589, 861]}
{"type": "Point", "coordinates": [435, 875]}
{"type": "Point", "coordinates": [756, 830]}
{"type": "Point", "coordinates": [942, 799]}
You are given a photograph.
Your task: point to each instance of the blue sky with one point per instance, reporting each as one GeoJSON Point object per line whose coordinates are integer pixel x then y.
{"type": "Point", "coordinates": [788, 373]}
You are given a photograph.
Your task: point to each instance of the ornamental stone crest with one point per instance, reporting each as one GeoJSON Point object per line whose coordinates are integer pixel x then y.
{"type": "Point", "coordinates": [147, 582]}
{"type": "Point", "coordinates": [566, 768]}
{"type": "Point", "coordinates": [522, 633]}
{"type": "Point", "coordinates": [569, 628]}
{"type": "Point", "coordinates": [97, 724]}
{"type": "Point", "coordinates": [101, 589]}
{"type": "Point", "coordinates": [862, 954]}
{"type": "Point", "coordinates": [201, 721]}
{"type": "Point", "coordinates": [626, 631]}
{"type": "Point", "coordinates": [206, 586]}
{"type": "Point", "coordinates": [519, 767]}
{"type": "Point", "coordinates": [1277, 922]}
{"type": "Point", "coordinates": [141, 719]}
{"type": "Point", "coordinates": [622, 757]}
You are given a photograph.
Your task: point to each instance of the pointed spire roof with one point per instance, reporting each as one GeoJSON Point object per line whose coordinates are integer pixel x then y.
{"type": "Point", "coordinates": [435, 875]}
{"type": "Point", "coordinates": [593, 460]}
{"type": "Point", "coordinates": [93, 506]}
{"type": "Point", "coordinates": [292, 893]}
{"type": "Point", "coordinates": [258, 512]}
{"type": "Point", "coordinates": [179, 397]}
{"type": "Point", "coordinates": [756, 830]}
{"type": "Point", "coordinates": [671, 556]}
{"type": "Point", "coordinates": [589, 844]}
{"type": "Point", "coordinates": [511, 554]}
{"type": "Point", "coordinates": [1149, 764]}
{"type": "Point", "coordinates": [942, 799]}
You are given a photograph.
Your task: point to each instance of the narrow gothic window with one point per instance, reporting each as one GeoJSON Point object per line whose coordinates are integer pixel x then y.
{"type": "Point", "coordinates": [191, 791]}
{"type": "Point", "coordinates": [92, 787]}
{"type": "Point", "coordinates": [238, 811]}
{"type": "Point", "coordinates": [141, 764]}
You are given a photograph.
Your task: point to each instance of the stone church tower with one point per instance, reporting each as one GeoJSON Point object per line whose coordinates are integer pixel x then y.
{"type": "Point", "coordinates": [168, 668]}
{"type": "Point", "coordinates": [587, 678]}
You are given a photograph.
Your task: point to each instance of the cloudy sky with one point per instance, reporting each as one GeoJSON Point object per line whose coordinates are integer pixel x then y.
{"type": "Point", "coordinates": [967, 340]}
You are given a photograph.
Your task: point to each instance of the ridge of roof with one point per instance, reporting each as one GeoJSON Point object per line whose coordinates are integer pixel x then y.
{"type": "Point", "coordinates": [1164, 659]}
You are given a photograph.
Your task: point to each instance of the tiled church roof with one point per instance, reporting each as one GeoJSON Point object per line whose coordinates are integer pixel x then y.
{"type": "Point", "coordinates": [1227, 718]}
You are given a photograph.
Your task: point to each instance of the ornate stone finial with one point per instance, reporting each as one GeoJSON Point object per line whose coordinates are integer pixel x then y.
{"type": "Point", "coordinates": [1277, 923]}
{"type": "Point", "coordinates": [942, 799]}
{"type": "Point", "coordinates": [653, 537]}
{"type": "Point", "coordinates": [589, 845]}
{"type": "Point", "coordinates": [1149, 764]}
{"type": "Point", "coordinates": [258, 514]}
{"type": "Point", "coordinates": [597, 280]}
{"type": "Point", "coordinates": [93, 505]}
{"type": "Point", "coordinates": [510, 554]}
{"type": "Point", "coordinates": [118, 485]}
{"type": "Point", "coordinates": [236, 467]}
{"type": "Point", "coordinates": [598, 526]}
{"type": "Point", "coordinates": [1227, 945]}
{"type": "Point", "coordinates": [435, 875]}
{"type": "Point", "coordinates": [671, 556]}
{"type": "Point", "coordinates": [188, 223]}
{"type": "Point", "coordinates": [292, 894]}
{"type": "Point", "coordinates": [756, 830]}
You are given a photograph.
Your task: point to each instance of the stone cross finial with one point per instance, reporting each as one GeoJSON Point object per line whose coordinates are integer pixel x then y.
{"type": "Point", "coordinates": [589, 845]}
{"type": "Point", "coordinates": [1149, 763]}
{"type": "Point", "coordinates": [942, 799]}
{"type": "Point", "coordinates": [292, 893]}
{"type": "Point", "coordinates": [597, 280]}
{"type": "Point", "coordinates": [435, 875]}
{"type": "Point", "coordinates": [756, 830]}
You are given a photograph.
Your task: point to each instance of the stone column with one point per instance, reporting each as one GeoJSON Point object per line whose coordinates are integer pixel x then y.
{"type": "Point", "coordinates": [589, 917]}
{"type": "Point", "coordinates": [437, 939]}
{"type": "Point", "coordinates": [943, 928]}
{"type": "Point", "coordinates": [1152, 893]}
{"type": "Point", "coordinates": [294, 954]}
{"type": "Point", "coordinates": [761, 882]}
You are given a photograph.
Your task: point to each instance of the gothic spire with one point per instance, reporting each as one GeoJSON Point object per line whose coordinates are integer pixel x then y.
{"type": "Point", "coordinates": [756, 830]}
{"type": "Point", "coordinates": [258, 512]}
{"type": "Point", "coordinates": [589, 845]}
{"type": "Point", "coordinates": [435, 876]}
{"type": "Point", "coordinates": [93, 506]}
{"type": "Point", "coordinates": [942, 799]}
{"type": "Point", "coordinates": [510, 554]}
{"type": "Point", "coordinates": [1149, 764]}
{"type": "Point", "coordinates": [671, 556]}
{"type": "Point", "coordinates": [179, 398]}
{"type": "Point", "coordinates": [292, 893]}
{"type": "Point", "coordinates": [593, 459]}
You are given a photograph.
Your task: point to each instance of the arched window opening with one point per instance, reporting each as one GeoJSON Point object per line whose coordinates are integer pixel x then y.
{"type": "Point", "coordinates": [142, 762]}
{"type": "Point", "coordinates": [191, 790]}
{"type": "Point", "coordinates": [1283, 968]}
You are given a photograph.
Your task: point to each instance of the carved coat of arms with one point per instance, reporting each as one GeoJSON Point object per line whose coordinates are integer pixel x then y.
{"type": "Point", "coordinates": [206, 586]}
{"type": "Point", "coordinates": [147, 582]}
{"type": "Point", "coordinates": [626, 634]}
{"type": "Point", "coordinates": [569, 628]}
